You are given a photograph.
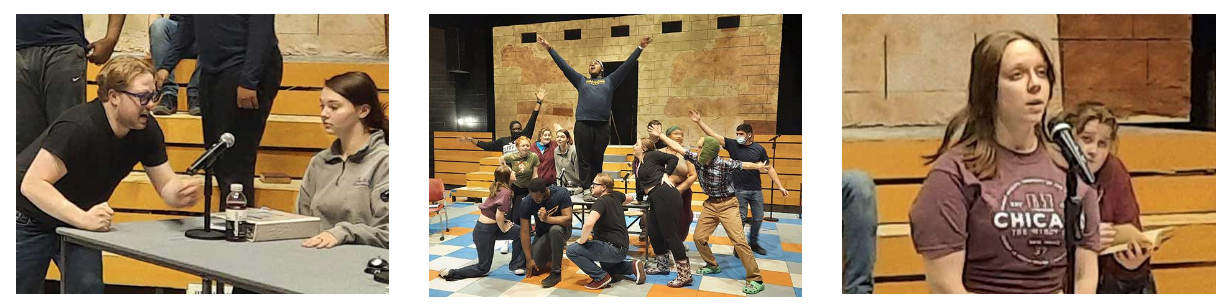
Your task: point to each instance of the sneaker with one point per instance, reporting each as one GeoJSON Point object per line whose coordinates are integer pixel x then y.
{"type": "Point", "coordinates": [595, 284]}
{"type": "Point", "coordinates": [639, 271]}
{"type": "Point", "coordinates": [757, 249]}
{"type": "Point", "coordinates": [444, 272]}
{"type": "Point", "coordinates": [554, 278]}
{"type": "Point", "coordinates": [519, 272]}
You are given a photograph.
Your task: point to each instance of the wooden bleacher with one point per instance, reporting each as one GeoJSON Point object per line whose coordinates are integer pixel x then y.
{"type": "Point", "coordinates": [464, 164]}
{"type": "Point", "coordinates": [1174, 188]}
{"type": "Point", "coordinates": [293, 134]}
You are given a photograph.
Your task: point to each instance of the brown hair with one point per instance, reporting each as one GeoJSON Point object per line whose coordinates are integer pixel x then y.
{"type": "Point", "coordinates": [977, 141]}
{"type": "Point", "coordinates": [647, 146]}
{"type": "Point", "coordinates": [605, 180]}
{"type": "Point", "coordinates": [358, 87]}
{"type": "Point", "coordinates": [1091, 110]}
{"type": "Point", "coordinates": [567, 135]}
{"type": "Point", "coordinates": [119, 72]}
{"type": "Point", "coordinates": [500, 181]}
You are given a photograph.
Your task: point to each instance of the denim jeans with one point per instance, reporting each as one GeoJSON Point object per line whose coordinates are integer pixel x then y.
{"type": "Point", "coordinates": [485, 236]}
{"type": "Point", "coordinates": [751, 200]}
{"type": "Point", "coordinates": [611, 258]}
{"type": "Point", "coordinates": [859, 232]}
{"type": "Point", "coordinates": [35, 247]}
{"type": "Point", "coordinates": [163, 32]}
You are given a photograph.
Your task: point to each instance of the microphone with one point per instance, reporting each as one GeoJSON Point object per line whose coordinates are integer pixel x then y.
{"type": "Point", "coordinates": [775, 137]}
{"type": "Point", "coordinates": [1062, 134]}
{"type": "Point", "coordinates": [224, 142]}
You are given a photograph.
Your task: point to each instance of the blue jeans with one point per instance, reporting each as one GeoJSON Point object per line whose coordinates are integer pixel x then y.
{"type": "Point", "coordinates": [859, 232]}
{"type": "Point", "coordinates": [485, 236]}
{"type": "Point", "coordinates": [611, 258]}
{"type": "Point", "coordinates": [751, 200]}
{"type": "Point", "coordinates": [163, 32]}
{"type": "Point", "coordinates": [35, 247]}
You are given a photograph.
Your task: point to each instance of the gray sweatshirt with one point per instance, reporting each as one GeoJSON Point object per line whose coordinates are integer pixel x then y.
{"type": "Point", "coordinates": [351, 197]}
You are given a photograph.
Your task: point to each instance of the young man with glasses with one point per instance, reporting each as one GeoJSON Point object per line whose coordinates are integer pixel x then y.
{"type": "Point", "coordinates": [69, 172]}
{"type": "Point", "coordinates": [609, 243]}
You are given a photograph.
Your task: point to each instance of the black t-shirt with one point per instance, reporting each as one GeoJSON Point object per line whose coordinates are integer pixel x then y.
{"type": "Point", "coordinates": [95, 159]}
{"type": "Point", "coordinates": [746, 179]}
{"type": "Point", "coordinates": [611, 225]}
{"type": "Point", "coordinates": [558, 199]}
{"type": "Point", "coordinates": [50, 30]}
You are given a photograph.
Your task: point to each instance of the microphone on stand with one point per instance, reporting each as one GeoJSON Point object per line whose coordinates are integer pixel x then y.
{"type": "Point", "coordinates": [224, 142]}
{"type": "Point", "coordinates": [1063, 135]}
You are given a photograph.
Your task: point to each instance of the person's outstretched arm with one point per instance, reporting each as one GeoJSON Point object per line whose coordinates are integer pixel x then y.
{"type": "Point", "coordinates": [658, 132]}
{"type": "Point", "coordinates": [697, 118]}
{"type": "Point", "coordinates": [573, 75]}
{"type": "Point", "coordinates": [529, 129]}
{"type": "Point", "coordinates": [618, 76]}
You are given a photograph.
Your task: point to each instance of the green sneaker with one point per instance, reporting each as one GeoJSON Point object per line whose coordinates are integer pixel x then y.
{"type": "Point", "coordinates": [709, 270]}
{"type": "Point", "coordinates": [753, 287]}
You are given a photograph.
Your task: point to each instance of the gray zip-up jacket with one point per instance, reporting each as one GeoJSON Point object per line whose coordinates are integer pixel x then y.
{"type": "Point", "coordinates": [351, 197]}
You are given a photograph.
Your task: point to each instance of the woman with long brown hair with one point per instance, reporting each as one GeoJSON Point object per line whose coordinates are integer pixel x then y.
{"type": "Point", "coordinates": [654, 186]}
{"type": "Point", "coordinates": [988, 217]}
{"type": "Point", "coordinates": [347, 185]}
{"type": "Point", "coordinates": [493, 225]}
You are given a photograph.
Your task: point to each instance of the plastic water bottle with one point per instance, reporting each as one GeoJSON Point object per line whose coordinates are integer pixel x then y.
{"type": "Point", "coordinates": [237, 211]}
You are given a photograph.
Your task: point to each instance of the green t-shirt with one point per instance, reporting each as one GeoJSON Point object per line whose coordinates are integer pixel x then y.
{"type": "Point", "coordinates": [523, 167]}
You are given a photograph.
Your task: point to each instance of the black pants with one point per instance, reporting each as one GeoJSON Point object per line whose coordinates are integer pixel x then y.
{"type": "Point", "coordinates": [550, 246]}
{"type": "Point", "coordinates": [591, 138]}
{"type": "Point", "coordinates": [220, 114]}
{"type": "Point", "coordinates": [518, 194]}
{"type": "Point", "coordinates": [665, 209]}
{"type": "Point", "coordinates": [50, 80]}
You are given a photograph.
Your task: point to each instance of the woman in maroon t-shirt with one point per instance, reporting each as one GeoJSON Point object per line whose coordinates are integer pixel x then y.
{"type": "Point", "coordinates": [1095, 129]}
{"type": "Point", "coordinates": [989, 216]}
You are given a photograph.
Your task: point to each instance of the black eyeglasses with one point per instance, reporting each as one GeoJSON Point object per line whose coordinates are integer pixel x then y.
{"type": "Point", "coordinates": [143, 99]}
{"type": "Point", "coordinates": [595, 184]}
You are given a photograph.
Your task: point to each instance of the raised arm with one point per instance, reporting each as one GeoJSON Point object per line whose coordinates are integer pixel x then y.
{"type": "Point", "coordinates": [697, 118]}
{"type": "Point", "coordinates": [657, 131]}
{"type": "Point", "coordinates": [618, 76]}
{"type": "Point", "coordinates": [573, 75]}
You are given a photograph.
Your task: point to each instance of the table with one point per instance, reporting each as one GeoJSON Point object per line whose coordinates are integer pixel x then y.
{"type": "Point", "coordinates": [267, 267]}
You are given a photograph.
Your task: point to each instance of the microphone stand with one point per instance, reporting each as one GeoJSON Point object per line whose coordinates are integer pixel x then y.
{"type": "Point", "coordinates": [1073, 209]}
{"type": "Point", "coordinates": [205, 233]}
{"type": "Point", "coordinates": [774, 147]}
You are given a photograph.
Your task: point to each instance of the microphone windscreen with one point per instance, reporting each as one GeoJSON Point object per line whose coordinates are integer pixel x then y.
{"type": "Point", "coordinates": [227, 139]}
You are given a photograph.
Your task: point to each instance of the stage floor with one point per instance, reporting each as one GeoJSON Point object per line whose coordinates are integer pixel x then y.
{"type": "Point", "coordinates": [780, 267]}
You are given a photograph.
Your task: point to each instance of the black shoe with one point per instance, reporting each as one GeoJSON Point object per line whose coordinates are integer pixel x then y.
{"type": "Point", "coordinates": [757, 249]}
{"type": "Point", "coordinates": [551, 280]}
{"type": "Point", "coordinates": [166, 105]}
{"type": "Point", "coordinates": [193, 107]}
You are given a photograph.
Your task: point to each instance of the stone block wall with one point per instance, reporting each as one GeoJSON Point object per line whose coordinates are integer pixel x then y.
{"type": "Point", "coordinates": [910, 70]}
{"type": "Point", "coordinates": [729, 75]}
{"type": "Point", "coordinates": [1138, 65]}
{"type": "Point", "coordinates": [298, 35]}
